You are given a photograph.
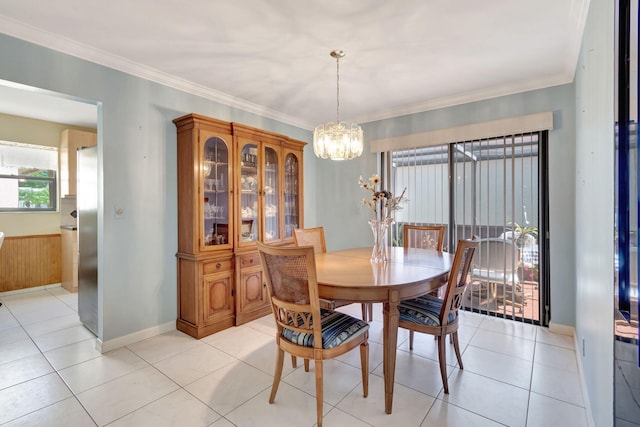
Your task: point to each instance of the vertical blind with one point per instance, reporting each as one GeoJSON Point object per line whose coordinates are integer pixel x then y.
{"type": "Point", "coordinates": [484, 189]}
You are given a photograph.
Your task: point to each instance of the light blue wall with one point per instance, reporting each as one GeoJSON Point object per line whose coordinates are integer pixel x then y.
{"type": "Point", "coordinates": [339, 198]}
{"type": "Point", "coordinates": [595, 207]}
{"type": "Point", "coordinates": [137, 170]}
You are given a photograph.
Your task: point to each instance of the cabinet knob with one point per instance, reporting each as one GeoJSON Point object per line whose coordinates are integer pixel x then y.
{"type": "Point", "coordinates": [218, 265]}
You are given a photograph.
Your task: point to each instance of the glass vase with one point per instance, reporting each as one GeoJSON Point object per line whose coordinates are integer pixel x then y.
{"type": "Point", "coordinates": [379, 227]}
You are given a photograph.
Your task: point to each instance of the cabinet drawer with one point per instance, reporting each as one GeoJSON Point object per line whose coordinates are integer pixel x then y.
{"type": "Point", "coordinates": [217, 266]}
{"type": "Point", "coordinates": [250, 260]}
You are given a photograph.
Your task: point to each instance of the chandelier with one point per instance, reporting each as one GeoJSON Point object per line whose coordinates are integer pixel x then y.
{"type": "Point", "coordinates": [339, 140]}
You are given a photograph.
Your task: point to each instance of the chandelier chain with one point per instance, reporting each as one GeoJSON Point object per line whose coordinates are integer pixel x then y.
{"type": "Point", "coordinates": [337, 89]}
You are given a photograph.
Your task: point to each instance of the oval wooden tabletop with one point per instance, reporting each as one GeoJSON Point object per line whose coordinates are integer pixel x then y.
{"type": "Point", "coordinates": [352, 268]}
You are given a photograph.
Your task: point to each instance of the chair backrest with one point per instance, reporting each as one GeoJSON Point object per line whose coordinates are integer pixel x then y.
{"type": "Point", "coordinates": [500, 255]}
{"type": "Point", "coordinates": [290, 275]}
{"type": "Point", "coordinates": [310, 237]}
{"type": "Point", "coordinates": [458, 278]}
{"type": "Point", "coordinates": [423, 236]}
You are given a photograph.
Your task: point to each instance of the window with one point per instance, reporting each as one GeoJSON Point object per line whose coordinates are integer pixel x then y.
{"type": "Point", "coordinates": [28, 177]}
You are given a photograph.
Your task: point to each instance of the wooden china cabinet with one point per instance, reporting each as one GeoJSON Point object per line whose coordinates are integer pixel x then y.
{"type": "Point", "coordinates": [236, 185]}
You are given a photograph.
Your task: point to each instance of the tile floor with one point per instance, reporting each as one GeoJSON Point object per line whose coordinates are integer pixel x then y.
{"type": "Point", "coordinates": [51, 374]}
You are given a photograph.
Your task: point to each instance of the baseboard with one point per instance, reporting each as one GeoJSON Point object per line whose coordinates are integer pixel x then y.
{"type": "Point", "coordinates": [558, 328]}
{"type": "Point", "coordinates": [105, 346]}
{"type": "Point", "coordinates": [33, 289]}
{"type": "Point", "coordinates": [571, 331]}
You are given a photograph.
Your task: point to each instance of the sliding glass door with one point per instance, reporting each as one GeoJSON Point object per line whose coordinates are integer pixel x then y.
{"type": "Point", "coordinates": [493, 190]}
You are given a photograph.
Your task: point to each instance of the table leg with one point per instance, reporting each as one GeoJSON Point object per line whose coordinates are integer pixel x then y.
{"type": "Point", "coordinates": [390, 343]}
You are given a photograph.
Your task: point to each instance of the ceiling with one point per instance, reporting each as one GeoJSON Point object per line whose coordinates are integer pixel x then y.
{"type": "Point", "coordinates": [272, 58]}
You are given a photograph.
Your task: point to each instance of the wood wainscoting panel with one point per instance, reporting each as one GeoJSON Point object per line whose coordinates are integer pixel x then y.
{"type": "Point", "coordinates": [29, 261]}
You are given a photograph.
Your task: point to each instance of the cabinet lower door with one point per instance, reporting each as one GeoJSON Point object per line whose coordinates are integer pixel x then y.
{"type": "Point", "coordinates": [253, 299]}
{"type": "Point", "coordinates": [218, 298]}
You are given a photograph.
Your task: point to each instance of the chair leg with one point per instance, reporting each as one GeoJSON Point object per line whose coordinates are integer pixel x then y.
{"type": "Point", "coordinates": [456, 347]}
{"type": "Point", "coordinates": [367, 311]}
{"type": "Point", "coordinates": [277, 375]}
{"type": "Point", "coordinates": [364, 363]}
{"type": "Point", "coordinates": [442, 358]}
{"type": "Point", "coordinates": [306, 365]}
{"type": "Point", "coordinates": [411, 339]}
{"type": "Point", "coordinates": [319, 396]}
{"type": "Point", "coordinates": [294, 362]}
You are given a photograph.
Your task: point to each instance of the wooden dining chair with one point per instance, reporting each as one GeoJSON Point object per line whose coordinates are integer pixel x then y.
{"type": "Point", "coordinates": [303, 328]}
{"type": "Point", "coordinates": [423, 236]}
{"type": "Point", "coordinates": [439, 316]}
{"type": "Point", "coordinates": [315, 237]}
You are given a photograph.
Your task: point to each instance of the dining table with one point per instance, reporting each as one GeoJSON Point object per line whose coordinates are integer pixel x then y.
{"type": "Point", "coordinates": [349, 274]}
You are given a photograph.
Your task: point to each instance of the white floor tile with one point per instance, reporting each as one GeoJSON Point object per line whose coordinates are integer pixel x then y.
{"type": "Point", "coordinates": [222, 422]}
{"type": "Point", "coordinates": [507, 327]}
{"type": "Point", "coordinates": [557, 383]}
{"type": "Point", "coordinates": [556, 357]}
{"type": "Point", "coordinates": [10, 335]}
{"type": "Point", "coordinates": [443, 414]}
{"type": "Point", "coordinates": [193, 364]}
{"type": "Point", "coordinates": [51, 325]}
{"type": "Point", "coordinates": [239, 341]}
{"type": "Point", "coordinates": [489, 398]}
{"type": "Point", "coordinates": [548, 412]}
{"type": "Point", "coordinates": [163, 346]}
{"type": "Point", "coordinates": [291, 407]}
{"type": "Point", "coordinates": [339, 379]}
{"type": "Point", "coordinates": [336, 417]}
{"type": "Point", "coordinates": [417, 372]}
{"type": "Point", "coordinates": [498, 366]}
{"type": "Point", "coordinates": [264, 358]}
{"type": "Point", "coordinates": [62, 337]}
{"type": "Point", "coordinates": [47, 312]}
{"type": "Point", "coordinates": [265, 324]}
{"type": "Point", "coordinates": [409, 406]}
{"type": "Point", "coordinates": [506, 344]}
{"type": "Point", "coordinates": [229, 387]}
{"type": "Point", "coordinates": [110, 401]}
{"type": "Point", "coordinates": [100, 370]}
{"type": "Point", "coordinates": [177, 409]}
{"type": "Point", "coordinates": [23, 369]}
{"type": "Point", "coordinates": [375, 357]}
{"type": "Point", "coordinates": [17, 349]}
{"type": "Point", "coordinates": [426, 346]}
{"type": "Point", "coordinates": [65, 413]}
{"type": "Point", "coordinates": [547, 337]}
{"type": "Point", "coordinates": [514, 374]}
{"type": "Point", "coordinates": [68, 355]}
{"type": "Point", "coordinates": [7, 320]}
{"type": "Point", "coordinates": [24, 398]}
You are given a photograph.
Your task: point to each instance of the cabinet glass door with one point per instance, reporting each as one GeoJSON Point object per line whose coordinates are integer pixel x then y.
{"type": "Point", "coordinates": [271, 192]}
{"type": "Point", "coordinates": [215, 185]}
{"type": "Point", "coordinates": [291, 196]}
{"type": "Point", "coordinates": [249, 193]}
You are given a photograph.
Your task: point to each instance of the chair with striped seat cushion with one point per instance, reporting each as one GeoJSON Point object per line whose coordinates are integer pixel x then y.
{"type": "Point", "coordinates": [439, 316]}
{"type": "Point", "coordinates": [424, 310]}
{"type": "Point", "coordinates": [303, 328]}
{"type": "Point", "coordinates": [315, 237]}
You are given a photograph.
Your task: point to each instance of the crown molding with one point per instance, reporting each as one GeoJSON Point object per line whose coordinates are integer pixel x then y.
{"type": "Point", "coordinates": [82, 51]}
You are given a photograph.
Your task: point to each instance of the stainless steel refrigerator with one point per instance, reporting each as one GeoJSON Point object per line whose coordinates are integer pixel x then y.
{"type": "Point", "coordinates": [87, 199]}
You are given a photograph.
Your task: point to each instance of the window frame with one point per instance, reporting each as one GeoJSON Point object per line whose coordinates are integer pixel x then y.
{"type": "Point", "coordinates": [52, 180]}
